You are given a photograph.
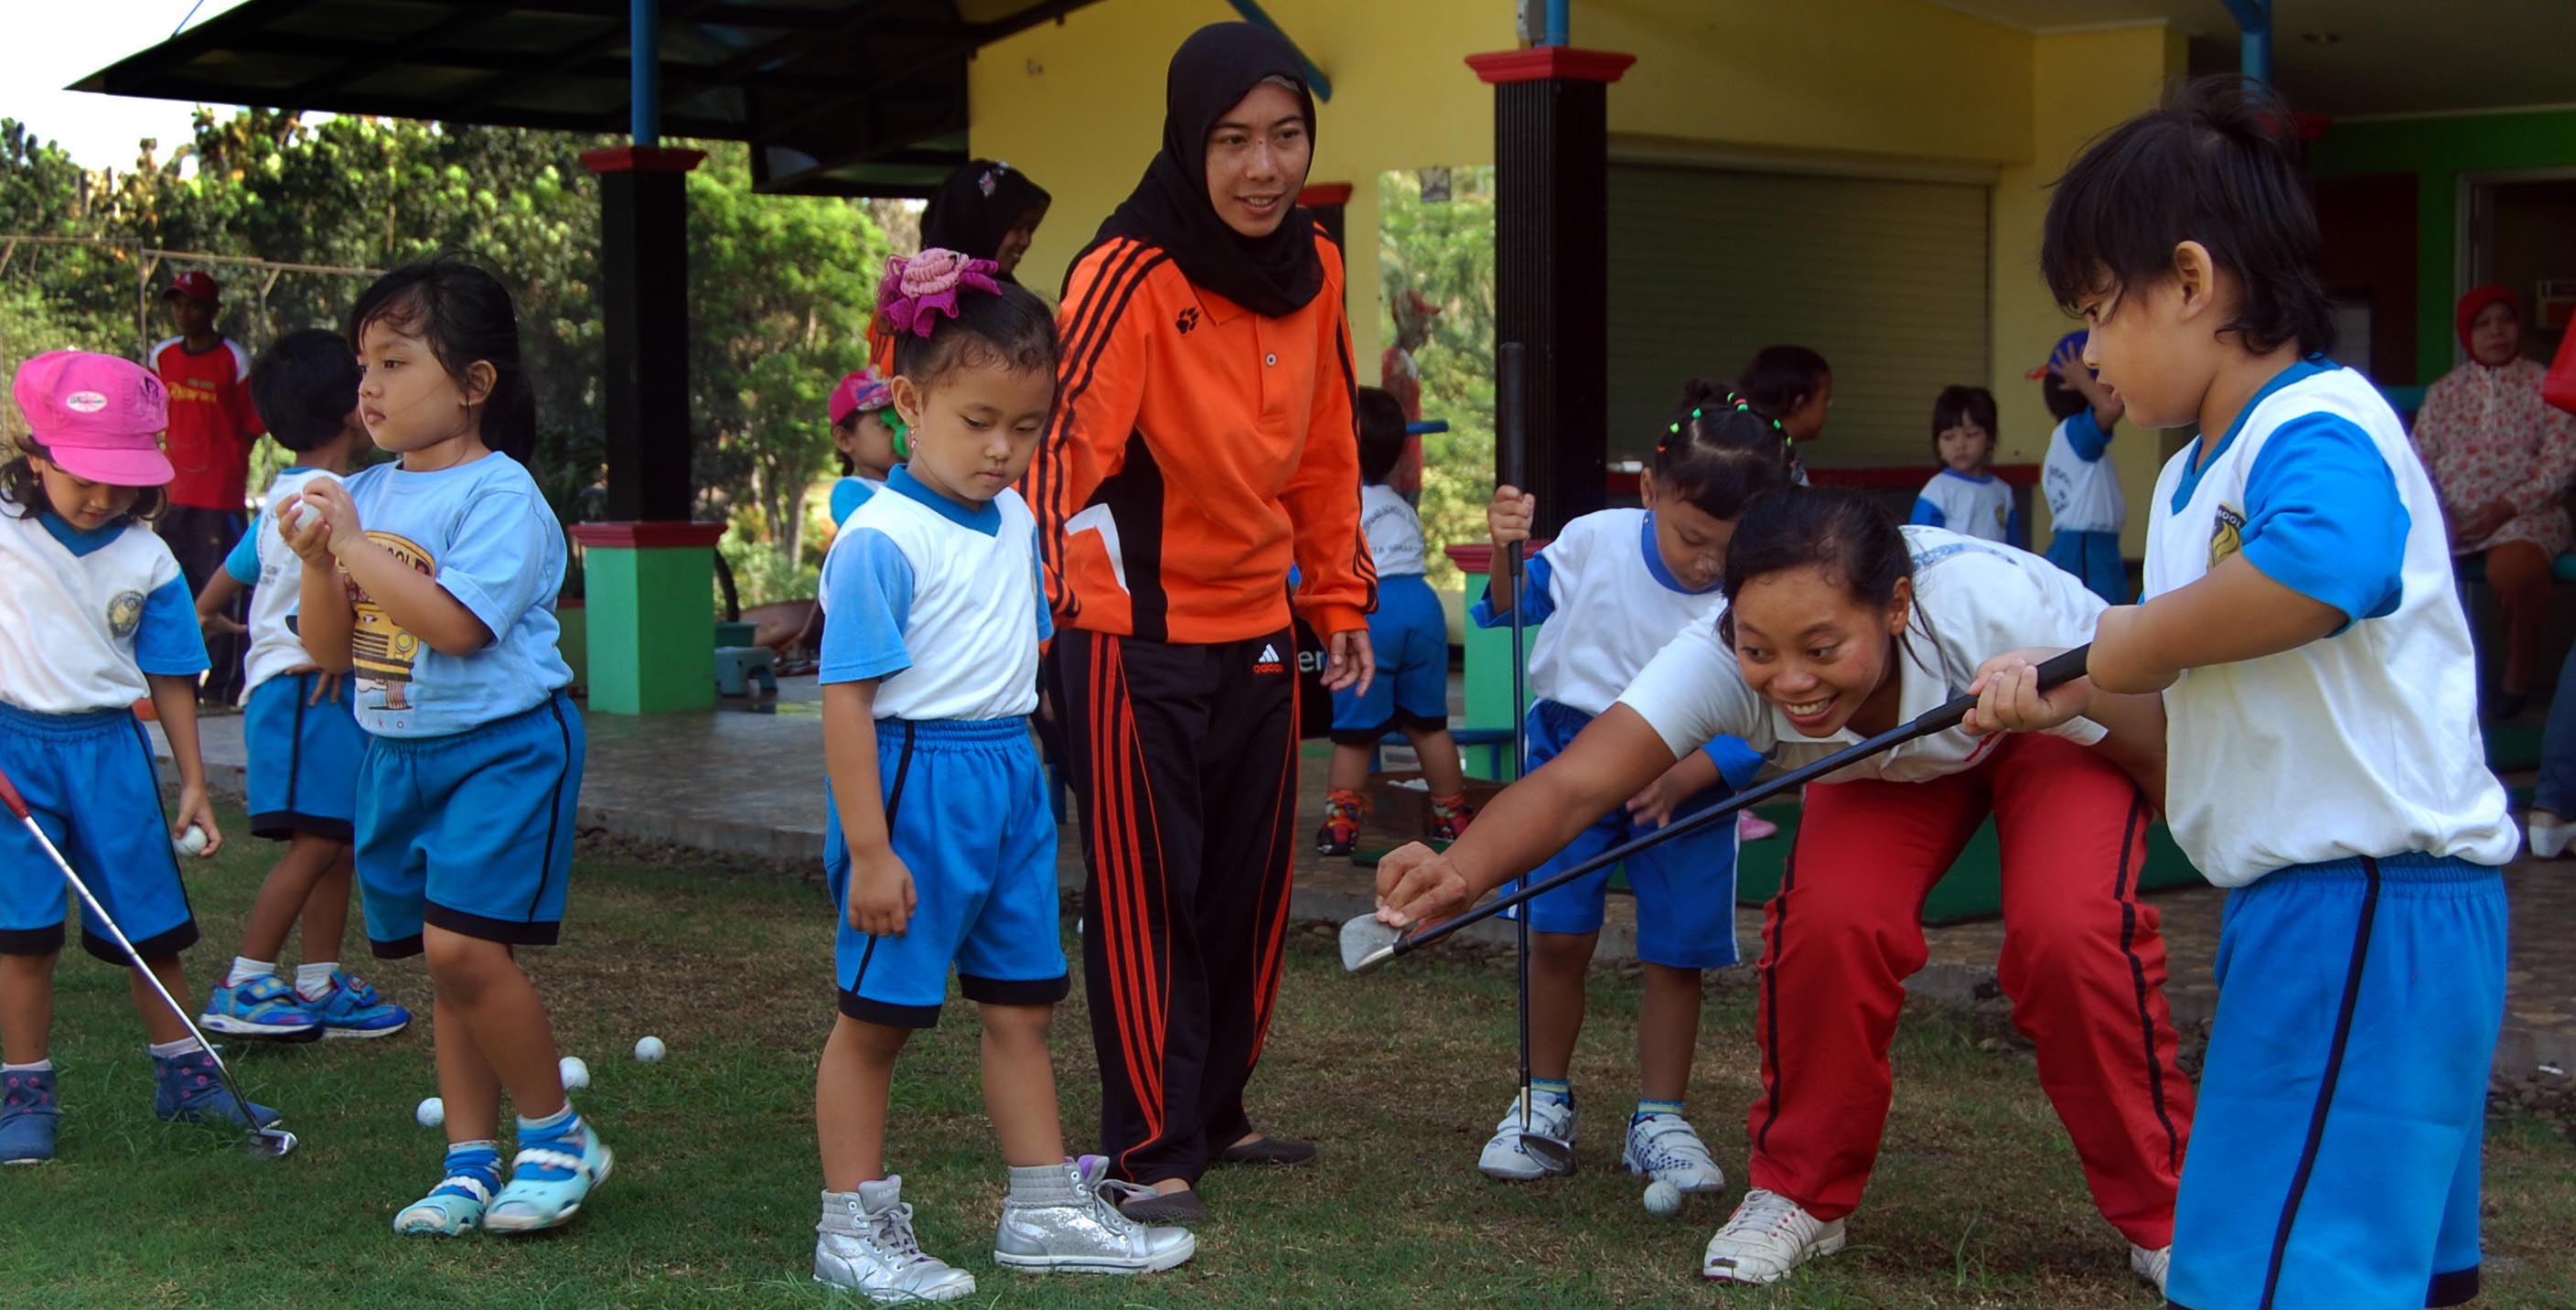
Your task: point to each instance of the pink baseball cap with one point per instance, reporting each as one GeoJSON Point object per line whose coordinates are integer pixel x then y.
{"type": "Point", "coordinates": [859, 392]}
{"type": "Point", "coordinates": [98, 417]}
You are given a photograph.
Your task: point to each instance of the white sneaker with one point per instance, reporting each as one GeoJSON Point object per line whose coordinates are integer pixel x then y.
{"type": "Point", "coordinates": [2150, 1266]}
{"type": "Point", "coordinates": [1663, 1147]}
{"type": "Point", "coordinates": [1550, 1116]}
{"type": "Point", "coordinates": [1075, 1227]}
{"type": "Point", "coordinates": [865, 1244]}
{"type": "Point", "coordinates": [1768, 1236]}
{"type": "Point", "coordinates": [2550, 835]}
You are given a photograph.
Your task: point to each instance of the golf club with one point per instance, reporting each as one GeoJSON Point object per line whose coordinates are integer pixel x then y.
{"type": "Point", "coordinates": [1368, 943]}
{"type": "Point", "coordinates": [1511, 400]}
{"type": "Point", "coordinates": [269, 1142]}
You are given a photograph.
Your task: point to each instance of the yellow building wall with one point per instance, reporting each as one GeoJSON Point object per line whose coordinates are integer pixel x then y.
{"type": "Point", "coordinates": [2082, 84]}
{"type": "Point", "coordinates": [1865, 83]}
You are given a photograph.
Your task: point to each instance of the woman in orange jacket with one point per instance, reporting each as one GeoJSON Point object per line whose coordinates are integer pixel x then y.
{"type": "Point", "coordinates": [1203, 442]}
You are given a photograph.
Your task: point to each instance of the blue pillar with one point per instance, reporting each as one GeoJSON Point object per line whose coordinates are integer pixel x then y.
{"type": "Point", "coordinates": [644, 70]}
{"type": "Point", "coordinates": [2254, 18]}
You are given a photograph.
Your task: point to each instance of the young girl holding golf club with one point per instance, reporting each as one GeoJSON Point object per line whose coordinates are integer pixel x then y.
{"type": "Point", "coordinates": [98, 617]}
{"type": "Point", "coordinates": [1609, 592]}
{"type": "Point", "coordinates": [1841, 625]}
{"type": "Point", "coordinates": [434, 579]}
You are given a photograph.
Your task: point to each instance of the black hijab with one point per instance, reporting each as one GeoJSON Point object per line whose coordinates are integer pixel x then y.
{"type": "Point", "coordinates": [1211, 73]}
{"type": "Point", "coordinates": [977, 206]}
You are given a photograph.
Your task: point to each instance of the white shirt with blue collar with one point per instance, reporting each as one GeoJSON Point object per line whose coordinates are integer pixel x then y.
{"type": "Point", "coordinates": [1603, 603]}
{"type": "Point", "coordinates": [1970, 504]}
{"type": "Point", "coordinates": [2362, 743]}
{"type": "Point", "coordinates": [938, 599]}
{"type": "Point", "coordinates": [2082, 487]}
{"type": "Point", "coordinates": [85, 616]}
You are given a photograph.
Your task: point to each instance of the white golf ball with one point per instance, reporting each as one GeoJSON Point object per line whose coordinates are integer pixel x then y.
{"type": "Point", "coordinates": [576, 1075]}
{"type": "Point", "coordinates": [190, 842]}
{"type": "Point", "coordinates": [649, 1050]}
{"type": "Point", "coordinates": [432, 1113]}
{"type": "Point", "coordinates": [1663, 1198]}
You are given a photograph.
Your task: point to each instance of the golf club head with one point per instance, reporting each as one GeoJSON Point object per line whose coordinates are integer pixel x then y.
{"type": "Point", "coordinates": [1553, 1155]}
{"type": "Point", "coordinates": [269, 1143]}
{"type": "Point", "coordinates": [1368, 943]}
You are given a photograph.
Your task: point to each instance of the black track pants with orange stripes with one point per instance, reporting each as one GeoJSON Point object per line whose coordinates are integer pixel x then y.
{"type": "Point", "coordinates": [1185, 761]}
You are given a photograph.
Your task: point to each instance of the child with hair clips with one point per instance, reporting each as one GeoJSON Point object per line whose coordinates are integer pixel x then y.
{"type": "Point", "coordinates": [1611, 590]}
{"type": "Point", "coordinates": [867, 436]}
{"type": "Point", "coordinates": [940, 849]}
{"type": "Point", "coordinates": [2301, 623]}
{"type": "Point", "coordinates": [433, 581]}
{"type": "Point", "coordinates": [304, 738]}
{"type": "Point", "coordinates": [1966, 496]}
{"type": "Point", "coordinates": [97, 617]}
{"type": "Point", "coordinates": [1840, 625]}
{"type": "Point", "coordinates": [2085, 508]}
{"type": "Point", "coordinates": [1410, 636]}
{"type": "Point", "coordinates": [1793, 385]}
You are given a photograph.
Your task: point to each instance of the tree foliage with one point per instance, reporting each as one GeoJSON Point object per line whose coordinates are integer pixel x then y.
{"type": "Point", "coordinates": [1444, 251]}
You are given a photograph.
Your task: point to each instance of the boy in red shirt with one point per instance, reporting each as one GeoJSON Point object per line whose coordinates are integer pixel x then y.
{"type": "Point", "coordinates": [212, 426]}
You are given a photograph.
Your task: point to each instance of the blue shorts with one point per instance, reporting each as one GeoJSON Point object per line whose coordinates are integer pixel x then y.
{"type": "Point", "coordinates": [970, 820]}
{"type": "Point", "coordinates": [471, 831]}
{"type": "Point", "coordinates": [303, 759]}
{"type": "Point", "coordinates": [2093, 557]}
{"type": "Point", "coordinates": [2334, 1156]}
{"type": "Point", "coordinates": [1409, 635]}
{"type": "Point", "coordinates": [1685, 887]}
{"type": "Point", "coordinates": [90, 782]}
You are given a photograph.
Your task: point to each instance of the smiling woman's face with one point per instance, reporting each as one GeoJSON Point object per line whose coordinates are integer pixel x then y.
{"type": "Point", "coordinates": [1257, 156]}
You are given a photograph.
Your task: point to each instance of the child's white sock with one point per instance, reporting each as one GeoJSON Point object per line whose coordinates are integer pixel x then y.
{"type": "Point", "coordinates": [245, 968]}
{"type": "Point", "coordinates": [40, 1066]}
{"type": "Point", "coordinates": [164, 1050]}
{"type": "Point", "coordinates": [313, 981]}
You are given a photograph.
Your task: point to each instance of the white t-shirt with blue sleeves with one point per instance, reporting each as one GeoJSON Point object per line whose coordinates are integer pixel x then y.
{"type": "Point", "coordinates": [484, 532]}
{"type": "Point", "coordinates": [2363, 743]}
{"type": "Point", "coordinates": [86, 616]}
{"type": "Point", "coordinates": [1604, 604]}
{"type": "Point", "coordinates": [940, 601]}
{"type": "Point", "coordinates": [848, 494]}
{"type": "Point", "coordinates": [263, 561]}
{"type": "Point", "coordinates": [1971, 505]}
{"type": "Point", "coordinates": [2082, 487]}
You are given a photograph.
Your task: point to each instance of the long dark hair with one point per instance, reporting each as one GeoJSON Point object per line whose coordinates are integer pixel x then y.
{"type": "Point", "coordinates": [22, 490]}
{"type": "Point", "coordinates": [1717, 453]}
{"type": "Point", "coordinates": [466, 315]}
{"type": "Point", "coordinates": [1840, 533]}
{"type": "Point", "coordinates": [1778, 378]}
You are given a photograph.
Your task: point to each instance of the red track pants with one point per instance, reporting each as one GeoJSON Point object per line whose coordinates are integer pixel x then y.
{"type": "Point", "coordinates": [2082, 963]}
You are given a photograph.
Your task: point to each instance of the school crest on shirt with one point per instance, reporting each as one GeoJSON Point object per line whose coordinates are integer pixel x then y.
{"type": "Point", "coordinates": [381, 650]}
{"type": "Point", "coordinates": [124, 613]}
{"type": "Point", "coordinates": [2226, 534]}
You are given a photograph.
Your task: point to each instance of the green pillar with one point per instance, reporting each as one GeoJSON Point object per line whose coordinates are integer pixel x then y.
{"type": "Point", "coordinates": [1489, 665]}
{"type": "Point", "coordinates": [651, 619]}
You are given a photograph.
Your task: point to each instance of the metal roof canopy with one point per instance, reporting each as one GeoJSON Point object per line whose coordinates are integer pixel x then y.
{"type": "Point", "coordinates": [836, 97]}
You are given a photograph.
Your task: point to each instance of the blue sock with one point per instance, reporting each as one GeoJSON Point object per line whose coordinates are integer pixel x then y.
{"type": "Point", "coordinates": [1560, 1088]}
{"type": "Point", "coordinates": [553, 1125]}
{"type": "Point", "coordinates": [1645, 1107]}
{"type": "Point", "coordinates": [477, 1160]}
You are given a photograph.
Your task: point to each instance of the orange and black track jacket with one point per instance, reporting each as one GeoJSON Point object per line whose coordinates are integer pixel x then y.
{"type": "Point", "coordinates": [1196, 449]}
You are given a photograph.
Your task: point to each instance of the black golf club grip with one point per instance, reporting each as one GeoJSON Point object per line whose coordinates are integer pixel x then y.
{"type": "Point", "coordinates": [2057, 670]}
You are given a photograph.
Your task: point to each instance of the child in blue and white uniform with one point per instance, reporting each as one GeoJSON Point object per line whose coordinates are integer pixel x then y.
{"type": "Point", "coordinates": [1612, 589]}
{"type": "Point", "coordinates": [1409, 634]}
{"type": "Point", "coordinates": [304, 740]}
{"type": "Point", "coordinates": [940, 849]}
{"type": "Point", "coordinates": [2085, 508]}
{"type": "Point", "coordinates": [97, 618]}
{"type": "Point", "coordinates": [867, 435]}
{"type": "Point", "coordinates": [432, 581]}
{"type": "Point", "coordinates": [2321, 698]}
{"type": "Point", "coordinates": [1965, 496]}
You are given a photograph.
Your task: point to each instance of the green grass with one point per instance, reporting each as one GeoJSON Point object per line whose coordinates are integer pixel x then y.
{"type": "Point", "coordinates": [1978, 1200]}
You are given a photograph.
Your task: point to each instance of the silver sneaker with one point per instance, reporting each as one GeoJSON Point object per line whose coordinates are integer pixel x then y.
{"type": "Point", "coordinates": [1074, 1227]}
{"type": "Point", "coordinates": [865, 1244]}
{"type": "Point", "coordinates": [1503, 1157]}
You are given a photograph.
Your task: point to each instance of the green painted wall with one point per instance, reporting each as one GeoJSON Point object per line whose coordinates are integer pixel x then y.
{"type": "Point", "coordinates": [2437, 150]}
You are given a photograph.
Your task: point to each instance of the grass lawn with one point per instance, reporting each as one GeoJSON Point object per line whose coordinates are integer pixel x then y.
{"type": "Point", "coordinates": [1978, 1200]}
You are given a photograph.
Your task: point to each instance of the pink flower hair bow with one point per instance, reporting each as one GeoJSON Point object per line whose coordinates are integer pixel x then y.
{"type": "Point", "coordinates": [918, 290]}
